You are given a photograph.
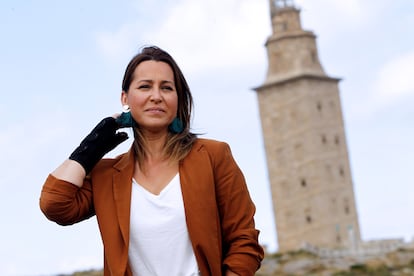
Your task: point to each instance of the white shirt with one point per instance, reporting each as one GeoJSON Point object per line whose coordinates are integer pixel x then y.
{"type": "Point", "coordinates": [159, 244]}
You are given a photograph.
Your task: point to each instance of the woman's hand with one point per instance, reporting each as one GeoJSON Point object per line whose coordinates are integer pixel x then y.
{"type": "Point", "coordinates": [102, 139]}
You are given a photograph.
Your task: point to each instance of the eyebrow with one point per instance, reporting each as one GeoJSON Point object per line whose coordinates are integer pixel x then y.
{"type": "Point", "coordinates": [163, 81]}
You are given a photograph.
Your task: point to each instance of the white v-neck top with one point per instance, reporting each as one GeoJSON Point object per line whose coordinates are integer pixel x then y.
{"type": "Point", "coordinates": [159, 243]}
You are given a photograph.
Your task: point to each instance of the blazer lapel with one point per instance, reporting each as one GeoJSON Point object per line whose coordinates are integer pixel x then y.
{"type": "Point", "coordinates": [122, 185]}
{"type": "Point", "coordinates": [198, 190]}
{"type": "Point", "coordinates": [195, 172]}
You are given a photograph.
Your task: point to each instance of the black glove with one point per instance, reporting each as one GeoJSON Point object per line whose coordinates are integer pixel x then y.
{"type": "Point", "coordinates": [102, 139]}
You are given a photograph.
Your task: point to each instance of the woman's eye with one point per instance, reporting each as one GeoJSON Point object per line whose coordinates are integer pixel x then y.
{"type": "Point", "coordinates": [168, 88]}
{"type": "Point", "coordinates": [144, 86]}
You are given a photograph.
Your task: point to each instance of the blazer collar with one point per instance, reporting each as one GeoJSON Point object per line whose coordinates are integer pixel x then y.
{"type": "Point", "coordinates": [126, 160]}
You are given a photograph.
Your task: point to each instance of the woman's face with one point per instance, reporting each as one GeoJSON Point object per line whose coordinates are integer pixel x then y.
{"type": "Point", "coordinates": [152, 96]}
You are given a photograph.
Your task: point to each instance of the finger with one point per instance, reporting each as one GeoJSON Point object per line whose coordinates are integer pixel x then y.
{"type": "Point", "coordinates": [121, 136]}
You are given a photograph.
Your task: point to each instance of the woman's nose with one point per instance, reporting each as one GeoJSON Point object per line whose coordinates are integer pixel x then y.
{"type": "Point", "coordinates": [156, 94]}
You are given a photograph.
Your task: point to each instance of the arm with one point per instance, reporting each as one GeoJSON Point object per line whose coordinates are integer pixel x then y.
{"type": "Point", "coordinates": [66, 196]}
{"type": "Point", "coordinates": [65, 203]}
{"type": "Point", "coordinates": [241, 249]}
{"type": "Point", "coordinates": [102, 139]}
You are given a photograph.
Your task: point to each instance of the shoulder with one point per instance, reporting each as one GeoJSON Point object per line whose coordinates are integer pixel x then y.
{"type": "Point", "coordinates": [209, 145]}
{"type": "Point", "coordinates": [214, 149]}
{"type": "Point", "coordinates": [110, 164]}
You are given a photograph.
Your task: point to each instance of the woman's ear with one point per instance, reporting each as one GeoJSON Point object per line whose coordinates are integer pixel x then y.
{"type": "Point", "coordinates": [124, 98]}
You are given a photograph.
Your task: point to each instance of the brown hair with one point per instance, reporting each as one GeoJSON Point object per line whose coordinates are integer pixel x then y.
{"type": "Point", "coordinates": [177, 145]}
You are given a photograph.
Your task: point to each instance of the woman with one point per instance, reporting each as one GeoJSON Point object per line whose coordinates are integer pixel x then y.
{"type": "Point", "coordinates": [174, 204]}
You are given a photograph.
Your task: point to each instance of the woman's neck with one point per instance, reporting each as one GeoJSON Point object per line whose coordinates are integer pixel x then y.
{"type": "Point", "coordinates": [155, 160]}
{"type": "Point", "coordinates": [155, 143]}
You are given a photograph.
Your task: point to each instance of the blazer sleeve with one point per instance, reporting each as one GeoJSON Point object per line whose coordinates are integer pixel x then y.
{"type": "Point", "coordinates": [241, 249]}
{"type": "Point", "coordinates": [66, 203]}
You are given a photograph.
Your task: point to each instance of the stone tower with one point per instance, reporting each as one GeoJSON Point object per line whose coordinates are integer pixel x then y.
{"type": "Point", "coordinates": [304, 138]}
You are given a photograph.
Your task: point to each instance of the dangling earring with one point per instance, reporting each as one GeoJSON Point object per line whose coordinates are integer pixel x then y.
{"type": "Point", "coordinates": [125, 120]}
{"type": "Point", "coordinates": [176, 126]}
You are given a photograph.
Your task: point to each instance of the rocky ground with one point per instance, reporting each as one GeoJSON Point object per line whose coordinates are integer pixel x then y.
{"type": "Point", "coordinates": [303, 263]}
{"type": "Point", "coordinates": [397, 263]}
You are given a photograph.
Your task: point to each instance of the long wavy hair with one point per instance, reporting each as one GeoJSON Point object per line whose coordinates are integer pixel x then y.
{"type": "Point", "coordinates": [179, 144]}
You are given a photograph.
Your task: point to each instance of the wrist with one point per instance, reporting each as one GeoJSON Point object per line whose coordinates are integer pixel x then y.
{"type": "Point", "coordinates": [70, 171]}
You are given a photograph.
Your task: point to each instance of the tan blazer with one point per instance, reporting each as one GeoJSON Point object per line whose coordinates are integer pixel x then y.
{"type": "Point", "coordinates": [219, 211]}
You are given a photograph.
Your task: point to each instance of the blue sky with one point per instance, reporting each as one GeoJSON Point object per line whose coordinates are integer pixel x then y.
{"type": "Point", "coordinates": [61, 66]}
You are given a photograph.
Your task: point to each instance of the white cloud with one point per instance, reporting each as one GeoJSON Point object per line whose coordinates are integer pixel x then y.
{"type": "Point", "coordinates": [123, 42]}
{"type": "Point", "coordinates": [333, 18]}
{"type": "Point", "coordinates": [392, 84]}
{"type": "Point", "coordinates": [39, 130]}
{"type": "Point", "coordinates": [217, 37]}
{"type": "Point", "coordinates": [349, 8]}
{"type": "Point", "coordinates": [118, 45]}
{"type": "Point", "coordinates": [395, 79]}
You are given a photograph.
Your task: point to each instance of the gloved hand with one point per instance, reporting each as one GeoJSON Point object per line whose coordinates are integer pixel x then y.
{"type": "Point", "coordinates": [102, 139]}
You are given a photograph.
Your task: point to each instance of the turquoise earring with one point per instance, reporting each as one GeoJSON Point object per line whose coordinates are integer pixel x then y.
{"type": "Point", "coordinates": [125, 120]}
{"type": "Point", "coordinates": [176, 126]}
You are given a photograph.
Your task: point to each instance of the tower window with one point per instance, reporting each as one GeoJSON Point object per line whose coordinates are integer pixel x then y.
{"type": "Point", "coordinates": [346, 206]}
{"type": "Point", "coordinates": [313, 57]}
{"type": "Point", "coordinates": [347, 209]}
{"type": "Point", "coordinates": [303, 182]}
{"type": "Point", "coordinates": [307, 213]}
{"type": "Point", "coordinates": [323, 139]}
{"type": "Point", "coordinates": [341, 171]}
{"type": "Point", "coordinates": [338, 238]}
{"type": "Point", "coordinates": [336, 140]}
{"type": "Point", "coordinates": [319, 106]}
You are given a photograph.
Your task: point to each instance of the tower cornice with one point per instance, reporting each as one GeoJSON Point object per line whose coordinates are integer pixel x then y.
{"type": "Point", "coordinates": [293, 78]}
{"type": "Point", "coordinates": [293, 34]}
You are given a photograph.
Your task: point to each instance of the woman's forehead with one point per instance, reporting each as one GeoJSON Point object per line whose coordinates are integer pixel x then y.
{"type": "Point", "coordinates": [152, 69]}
